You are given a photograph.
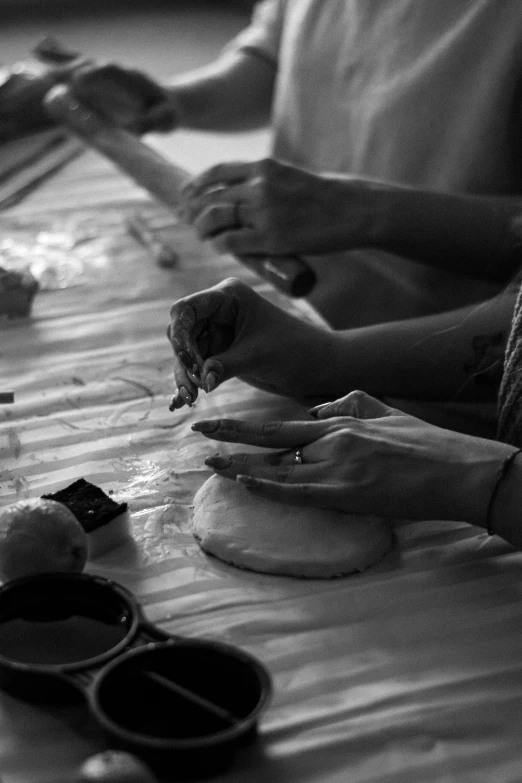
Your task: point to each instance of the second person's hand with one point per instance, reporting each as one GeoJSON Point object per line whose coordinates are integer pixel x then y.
{"type": "Point", "coordinates": [229, 330]}
{"type": "Point", "coordinates": [361, 456]}
{"type": "Point", "coordinates": [127, 97]}
{"type": "Point", "coordinates": [272, 208]}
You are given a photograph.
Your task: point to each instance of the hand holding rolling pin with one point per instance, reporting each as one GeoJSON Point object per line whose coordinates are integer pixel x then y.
{"type": "Point", "coordinates": [126, 97]}
{"type": "Point", "coordinates": [271, 208]}
{"type": "Point", "coordinates": [162, 179]}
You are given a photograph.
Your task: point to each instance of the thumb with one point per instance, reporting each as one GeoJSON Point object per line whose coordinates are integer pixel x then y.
{"type": "Point", "coordinates": [357, 404]}
{"type": "Point", "coordinates": [213, 374]}
{"type": "Point", "coordinates": [235, 361]}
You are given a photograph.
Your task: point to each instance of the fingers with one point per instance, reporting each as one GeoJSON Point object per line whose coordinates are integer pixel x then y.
{"type": "Point", "coordinates": [181, 335]}
{"type": "Point", "coordinates": [227, 199]}
{"type": "Point", "coordinates": [191, 370]}
{"type": "Point", "coordinates": [228, 217]}
{"type": "Point", "coordinates": [224, 174]}
{"type": "Point", "coordinates": [205, 323]}
{"type": "Point", "coordinates": [187, 362]}
{"type": "Point", "coordinates": [244, 243]}
{"type": "Point", "coordinates": [209, 335]}
{"type": "Point", "coordinates": [188, 381]}
{"type": "Point", "coordinates": [222, 300]}
{"type": "Point", "coordinates": [296, 493]}
{"type": "Point", "coordinates": [270, 434]}
{"type": "Point", "coordinates": [213, 219]}
{"type": "Point", "coordinates": [357, 404]}
{"type": "Point", "coordinates": [237, 465]}
{"type": "Point", "coordinates": [212, 374]}
{"type": "Point", "coordinates": [127, 97]}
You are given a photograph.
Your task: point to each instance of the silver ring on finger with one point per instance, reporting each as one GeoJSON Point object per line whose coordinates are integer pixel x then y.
{"type": "Point", "coordinates": [298, 457]}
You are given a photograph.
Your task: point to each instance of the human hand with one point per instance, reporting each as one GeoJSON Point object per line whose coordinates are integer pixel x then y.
{"type": "Point", "coordinates": [361, 456]}
{"type": "Point", "coordinates": [128, 98]}
{"type": "Point", "coordinates": [272, 208]}
{"type": "Point", "coordinates": [230, 330]}
{"type": "Point", "coordinates": [22, 90]}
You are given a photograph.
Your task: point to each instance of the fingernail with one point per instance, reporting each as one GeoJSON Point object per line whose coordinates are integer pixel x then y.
{"type": "Point", "coordinates": [220, 463]}
{"type": "Point", "coordinates": [185, 396]}
{"type": "Point", "coordinates": [196, 380]}
{"type": "Point", "coordinates": [207, 425]}
{"type": "Point", "coordinates": [248, 481]}
{"type": "Point", "coordinates": [174, 401]}
{"type": "Point", "coordinates": [212, 381]}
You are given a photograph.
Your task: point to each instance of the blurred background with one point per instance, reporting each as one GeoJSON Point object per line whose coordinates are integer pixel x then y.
{"type": "Point", "coordinates": [161, 37]}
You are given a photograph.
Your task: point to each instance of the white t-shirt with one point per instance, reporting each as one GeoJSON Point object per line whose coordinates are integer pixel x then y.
{"type": "Point", "coordinates": [421, 92]}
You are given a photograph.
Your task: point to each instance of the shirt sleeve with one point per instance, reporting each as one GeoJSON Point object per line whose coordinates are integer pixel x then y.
{"type": "Point", "coordinates": [263, 35]}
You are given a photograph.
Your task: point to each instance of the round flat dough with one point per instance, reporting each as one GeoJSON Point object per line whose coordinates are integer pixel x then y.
{"type": "Point", "coordinates": [261, 535]}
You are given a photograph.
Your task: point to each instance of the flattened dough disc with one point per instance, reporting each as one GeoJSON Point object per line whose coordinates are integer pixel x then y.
{"type": "Point", "coordinates": [250, 532]}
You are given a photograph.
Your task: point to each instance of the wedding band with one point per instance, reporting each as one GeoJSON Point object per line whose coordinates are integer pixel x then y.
{"type": "Point", "coordinates": [298, 457]}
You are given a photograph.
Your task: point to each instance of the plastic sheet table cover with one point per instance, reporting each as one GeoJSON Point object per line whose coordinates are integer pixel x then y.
{"type": "Point", "coordinates": [408, 673]}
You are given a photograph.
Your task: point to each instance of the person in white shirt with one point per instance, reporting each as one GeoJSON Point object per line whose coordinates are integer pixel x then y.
{"type": "Point", "coordinates": [402, 92]}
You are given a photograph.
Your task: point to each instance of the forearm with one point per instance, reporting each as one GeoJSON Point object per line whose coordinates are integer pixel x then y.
{"type": "Point", "coordinates": [455, 355]}
{"type": "Point", "coordinates": [234, 93]}
{"type": "Point", "coordinates": [471, 235]}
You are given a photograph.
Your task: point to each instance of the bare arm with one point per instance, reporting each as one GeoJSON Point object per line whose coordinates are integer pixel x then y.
{"type": "Point", "coordinates": [361, 456]}
{"type": "Point", "coordinates": [229, 330]}
{"type": "Point", "coordinates": [455, 355]}
{"type": "Point", "coordinates": [288, 210]}
{"type": "Point", "coordinates": [475, 235]}
{"type": "Point", "coordinates": [232, 93]}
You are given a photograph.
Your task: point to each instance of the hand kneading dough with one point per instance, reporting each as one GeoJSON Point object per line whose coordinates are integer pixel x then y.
{"type": "Point", "coordinates": [262, 535]}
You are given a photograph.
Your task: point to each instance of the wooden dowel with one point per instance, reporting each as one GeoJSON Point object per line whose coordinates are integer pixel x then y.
{"type": "Point", "coordinates": [194, 698]}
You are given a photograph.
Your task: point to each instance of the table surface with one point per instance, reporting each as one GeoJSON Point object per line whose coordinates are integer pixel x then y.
{"type": "Point", "coordinates": [410, 672]}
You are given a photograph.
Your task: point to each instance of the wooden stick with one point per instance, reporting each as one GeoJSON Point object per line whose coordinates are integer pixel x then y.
{"type": "Point", "coordinates": [199, 701]}
{"type": "Point", "coordinates": [6, 397]}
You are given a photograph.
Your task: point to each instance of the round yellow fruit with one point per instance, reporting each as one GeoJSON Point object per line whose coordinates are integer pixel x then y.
{"type": "Point", "coordinates": [40, 536]}
{"type": "Point", "coordinates": [115, 766]}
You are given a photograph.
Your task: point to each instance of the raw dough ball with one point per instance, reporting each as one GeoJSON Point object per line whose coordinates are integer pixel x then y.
{"type": "Point", "coordinates": [38, 536]}
{"type": "Point", "coordinates": [262, 535]}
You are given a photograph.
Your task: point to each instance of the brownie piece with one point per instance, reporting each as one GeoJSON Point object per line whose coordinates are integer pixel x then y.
{"type": "Point", "coordinates": [17, 291]}
{"type": "Point", "coordinates": [90, 505]}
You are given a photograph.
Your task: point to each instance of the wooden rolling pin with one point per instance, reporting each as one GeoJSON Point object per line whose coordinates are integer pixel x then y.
{"type": "Point", "coordinates": [161, 178]}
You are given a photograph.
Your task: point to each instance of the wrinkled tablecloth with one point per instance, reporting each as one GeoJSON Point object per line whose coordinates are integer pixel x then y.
{"type": "Point", "coordinates": [408, 673]}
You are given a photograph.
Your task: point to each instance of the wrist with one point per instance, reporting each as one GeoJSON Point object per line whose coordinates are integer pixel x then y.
{"type": "Point", "coordinates": [363, 212]}
{"type": "Point", "coordinates": [316, 370]}
{"type": "Point", "coordinates": [166, 117]}
{"type": "Point", "coordinates": [505, 508]}
{"type": "Point", "coordinates": [391, 209]}
{"type": "Point", "coordinates": [467, 486]}
{"type": "Point", "coordinates": [331, 379]}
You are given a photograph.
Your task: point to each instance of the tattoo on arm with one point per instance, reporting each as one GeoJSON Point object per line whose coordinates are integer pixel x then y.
{"type": "Point", "coordinates": [485, 368]}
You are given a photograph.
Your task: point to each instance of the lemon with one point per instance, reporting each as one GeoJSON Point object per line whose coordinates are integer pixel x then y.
{"type": "Point", "coordinates": [40, 536]}
{"type": "Point", "coordinates": [114, 766]}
